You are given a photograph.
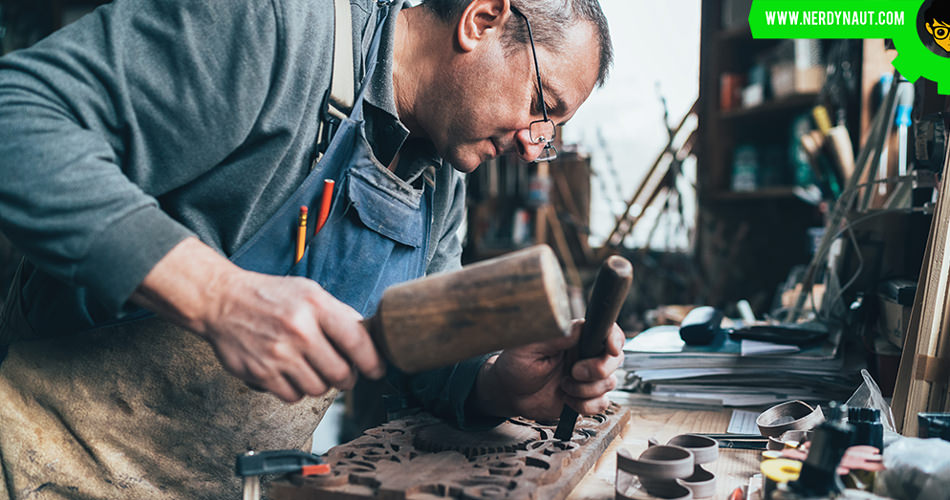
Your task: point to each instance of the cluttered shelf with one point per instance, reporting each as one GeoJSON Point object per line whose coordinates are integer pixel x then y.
{"type": "Point", "coordinates": [782, 104]}
{"type": "Point", "coordinates": [766, 193]}
{"type": "Point", "coordinates": [734, 33]}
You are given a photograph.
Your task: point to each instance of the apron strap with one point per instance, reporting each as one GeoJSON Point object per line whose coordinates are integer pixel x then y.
{"type": "Point", "coordinates": [382, 15]}
{"type": "Point", "coordinates": [342, 93]}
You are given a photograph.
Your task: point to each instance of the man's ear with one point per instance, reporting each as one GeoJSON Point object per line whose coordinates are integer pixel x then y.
{"type": "Point", "coordinates": [929, 29]}
{"type": "Point", "coordinates": [481, 18]}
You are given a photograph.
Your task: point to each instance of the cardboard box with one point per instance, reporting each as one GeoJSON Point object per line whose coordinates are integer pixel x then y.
{"type": "Point", "coordinates": [895, 303]}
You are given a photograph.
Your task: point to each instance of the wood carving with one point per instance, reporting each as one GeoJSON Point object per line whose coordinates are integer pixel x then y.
{"type": "Point", "coordinates": [420, 457]}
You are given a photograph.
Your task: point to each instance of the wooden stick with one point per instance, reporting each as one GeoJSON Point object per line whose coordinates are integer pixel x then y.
{"type": "Point", "coordinates": [930, 307]}
{"type": "Point", "coordinates": [557, 231]}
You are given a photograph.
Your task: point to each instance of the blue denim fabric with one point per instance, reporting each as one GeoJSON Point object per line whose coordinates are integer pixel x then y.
{"type": "Point", "coordinates": [376, 236]}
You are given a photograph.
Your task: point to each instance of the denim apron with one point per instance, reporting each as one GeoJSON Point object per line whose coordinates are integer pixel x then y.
{"type": "Point", "coordinates": [142, 409]}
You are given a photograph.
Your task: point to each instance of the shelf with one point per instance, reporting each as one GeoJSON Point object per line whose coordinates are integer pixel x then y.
{"type": "Point", "coordinates": [741, 32]}
{"type": "Point", "coordinates": [775, 106]}
{"type": "Point", "coordinates": [763, 194]}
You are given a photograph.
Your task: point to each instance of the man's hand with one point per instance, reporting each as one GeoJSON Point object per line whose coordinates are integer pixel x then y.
{"type": "Point", "coordinates": [285, 335]}
{"type": "Point", "coordinates": [532, 381]}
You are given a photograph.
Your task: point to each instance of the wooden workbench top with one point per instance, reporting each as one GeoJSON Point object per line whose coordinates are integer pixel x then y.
{"type": "Point", "coordinates": [732, 469]}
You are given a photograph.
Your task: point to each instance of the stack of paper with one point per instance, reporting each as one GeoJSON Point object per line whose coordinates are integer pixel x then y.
{"type": "Point", "coordinates": [660, 368]}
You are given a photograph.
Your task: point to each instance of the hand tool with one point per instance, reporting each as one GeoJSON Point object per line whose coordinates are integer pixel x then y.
{"type": "Point", "coordinates": [905, 104]}
{"type": "Point", "coordinates": [701, 327]}
{"type": "Point", "coordinates": [607, 296]}
{"type": "Point", "coordinates": [251, 466]}
{"type": "Point", "coordinates": [799, 334]}
{"type": "Point", "coordinates": [739, 441]}
{"type": "Point", "coordinates": [509, 301]}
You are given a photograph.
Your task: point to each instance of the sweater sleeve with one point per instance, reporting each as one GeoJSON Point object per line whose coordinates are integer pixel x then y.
{"type": "Point", "coordinates": [105, 115]}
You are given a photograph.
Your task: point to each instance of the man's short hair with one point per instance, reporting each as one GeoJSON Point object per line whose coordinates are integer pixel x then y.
{"type": "Point", "coordinates": [938, 10]}
{"type": "Point", "coordinates": [549, 21]}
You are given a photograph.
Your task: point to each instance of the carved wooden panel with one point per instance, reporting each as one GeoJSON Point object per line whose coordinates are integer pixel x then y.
{"type": "Point", "coordinates": [420, 457]}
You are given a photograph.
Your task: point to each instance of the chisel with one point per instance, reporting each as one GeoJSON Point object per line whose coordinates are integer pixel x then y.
{"type": "Point", "coordinates": [610, 289]}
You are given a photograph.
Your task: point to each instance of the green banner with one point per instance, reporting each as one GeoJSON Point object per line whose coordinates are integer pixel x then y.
{"type": "Point", "coordinates": [831, 18]}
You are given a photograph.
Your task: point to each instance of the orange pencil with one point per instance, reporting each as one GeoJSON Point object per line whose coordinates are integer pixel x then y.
{"type": "Point", "coordinates": [301, 234]}
{"type": "Point", "coordinates": [325, 201]}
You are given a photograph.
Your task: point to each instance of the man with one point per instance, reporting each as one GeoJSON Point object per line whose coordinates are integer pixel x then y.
{"type": "Point", "coordinates": [149, 140]}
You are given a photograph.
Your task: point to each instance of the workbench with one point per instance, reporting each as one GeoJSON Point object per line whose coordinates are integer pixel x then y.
{"type": "Point", "coordinates": [732, 469]}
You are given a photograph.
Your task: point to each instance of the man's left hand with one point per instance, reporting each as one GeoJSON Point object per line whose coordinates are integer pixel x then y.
{"type": "Point", "coordinates": [533, 382]}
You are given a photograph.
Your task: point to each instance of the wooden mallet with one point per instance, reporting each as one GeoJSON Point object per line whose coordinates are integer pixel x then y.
{"type": "Point", "coordinates": [516, 299]}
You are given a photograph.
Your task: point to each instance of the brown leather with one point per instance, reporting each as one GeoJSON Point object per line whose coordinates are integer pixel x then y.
{"type": "Point", "coordinates": [788, 421]}
{"type": "Point", "coordinates": [670, 471]}
{"type": "Point", "coordinates": [135, 411]}
{"type": "Point", "coordinates": [658, 469]}
{"type": "Point", "coordinates": [660, 462]}
{"type": "Point", "coordinates": [705, 449]}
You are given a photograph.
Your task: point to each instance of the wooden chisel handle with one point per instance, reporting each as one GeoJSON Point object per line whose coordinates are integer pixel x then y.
{"type": "Point", "coordinates": [609, 292]}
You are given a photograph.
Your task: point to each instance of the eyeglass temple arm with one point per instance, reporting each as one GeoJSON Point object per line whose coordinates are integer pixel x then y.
{"type": "Point", "coordinates": [534, 55]}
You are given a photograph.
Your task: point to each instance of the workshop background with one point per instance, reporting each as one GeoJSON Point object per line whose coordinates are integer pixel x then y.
{"type": "Point", "coordinates": [788, 182]}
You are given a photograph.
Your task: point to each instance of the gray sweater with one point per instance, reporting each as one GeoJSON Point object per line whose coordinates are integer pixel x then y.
{"type": "Point", "coordinates": [148, 121]}
{"type": "Point", "coordinates": [151, 120]}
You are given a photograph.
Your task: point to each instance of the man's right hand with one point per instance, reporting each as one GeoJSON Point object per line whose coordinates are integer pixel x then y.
{"type": "Point", "coordinates": [285, 335]}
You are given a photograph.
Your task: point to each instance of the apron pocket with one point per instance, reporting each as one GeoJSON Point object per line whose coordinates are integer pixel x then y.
{"type": "Point", "coordinates": [375, 238]}
{"type": "Point", "coordinates": [386, 206]}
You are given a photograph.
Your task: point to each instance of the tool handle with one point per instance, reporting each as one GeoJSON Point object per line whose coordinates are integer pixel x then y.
{"type": "Point", "coordinates": [274, 462]}
{"type": "Point", "coordinates": [607, 297]}
{"type": "Point", "coordinates": [609, 292]}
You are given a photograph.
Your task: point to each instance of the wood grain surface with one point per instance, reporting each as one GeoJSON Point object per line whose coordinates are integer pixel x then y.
{"type": "Point", "coordinates": [732, 469]}
{"type": "Point", "coordinates": [518, 460]}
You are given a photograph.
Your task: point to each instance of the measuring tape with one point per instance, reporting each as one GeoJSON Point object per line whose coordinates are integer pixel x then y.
{"type": "Point", "coordinates": [779, 470]}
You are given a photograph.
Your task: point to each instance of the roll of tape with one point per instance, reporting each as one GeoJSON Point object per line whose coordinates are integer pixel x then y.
{"type": "Point", "coordinates": [778, 470]}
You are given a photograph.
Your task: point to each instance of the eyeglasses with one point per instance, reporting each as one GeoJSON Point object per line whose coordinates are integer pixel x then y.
{"type": "Point", "coordinates": [544, 130]}
{"type": "Point", "coordinates": [940, 32]}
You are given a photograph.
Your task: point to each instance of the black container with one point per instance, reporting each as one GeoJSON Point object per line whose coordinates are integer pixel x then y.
{"type": "Point", "coordinates": [933, 425]}
{"type": "Point", "coordinates": [868, 429]}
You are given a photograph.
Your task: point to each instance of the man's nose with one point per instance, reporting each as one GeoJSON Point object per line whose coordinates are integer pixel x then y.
{"type": "Point", "coordinates": [527, 149]}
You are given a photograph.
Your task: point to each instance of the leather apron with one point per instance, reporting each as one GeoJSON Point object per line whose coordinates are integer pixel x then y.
{"type": "Point", "coordinates": [144, 410]}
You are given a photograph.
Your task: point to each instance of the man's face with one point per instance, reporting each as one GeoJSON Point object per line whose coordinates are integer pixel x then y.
{"type": "Point", "coordinates": [941, 33]}
{"type": "Point", "coordinates": [490, 96]}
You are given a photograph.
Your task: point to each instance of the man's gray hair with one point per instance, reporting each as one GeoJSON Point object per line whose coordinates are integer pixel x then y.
{"type": "Point", "coordinates": [549, 21]}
